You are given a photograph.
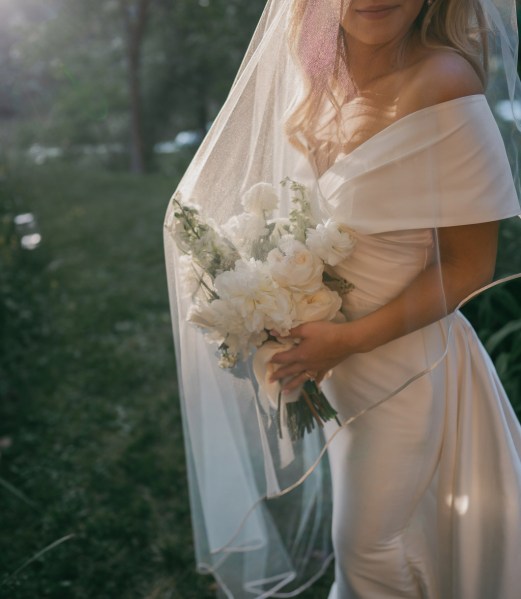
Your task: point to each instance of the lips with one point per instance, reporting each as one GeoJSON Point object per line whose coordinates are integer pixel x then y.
{"type": "Point", "coordinates": [377, 11]}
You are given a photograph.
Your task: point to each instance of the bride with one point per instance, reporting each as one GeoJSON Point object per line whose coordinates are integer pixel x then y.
{"type": "Point", "coordinates": [379, 107]}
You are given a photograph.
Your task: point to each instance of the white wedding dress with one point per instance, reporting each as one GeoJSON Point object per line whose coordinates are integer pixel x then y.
{"type": "Point", "coordinates": [426, 486]}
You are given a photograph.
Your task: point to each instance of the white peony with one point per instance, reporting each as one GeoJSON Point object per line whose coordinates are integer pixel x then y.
{"type": "Point", "coordinates": [223, 323]}
{"type": "Point", "coordinates": [324, 304]}
{"type": "Point", "coordinates": [219, 318]}
{"type": "Point", "coordinates": [244, 229]}
{"type": "Point", "coordinates": [261, 303]}
{"type": "Point", "coordinates": [293, 266]}
{"type": "Point", "coordinates": [260, 198]}
{"type": "Point", "coordinates": [330, 243]}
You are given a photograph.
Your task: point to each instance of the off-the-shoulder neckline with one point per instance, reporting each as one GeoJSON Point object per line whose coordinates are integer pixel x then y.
{"type": "Point", "coordinates": [399, 122]}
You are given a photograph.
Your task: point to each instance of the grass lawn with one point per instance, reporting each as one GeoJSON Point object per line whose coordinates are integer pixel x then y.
{"type": "Point", "coordinates": [90, 431]}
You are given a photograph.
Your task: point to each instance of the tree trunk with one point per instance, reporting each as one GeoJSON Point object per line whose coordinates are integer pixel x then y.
{"type": "Point", "coordinates": [135, 19]}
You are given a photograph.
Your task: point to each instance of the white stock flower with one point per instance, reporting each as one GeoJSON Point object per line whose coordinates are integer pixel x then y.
{"type": "Point", "coordinates": [324, 304]}
{"type": "Point", "coordinates": [260, 198]}
{"type": "Point", "coordinates": [293, 266]}
{"type": "Point", "coordinates": [261, 303]}
{"type": "Point", "coordinates": [330, 243]}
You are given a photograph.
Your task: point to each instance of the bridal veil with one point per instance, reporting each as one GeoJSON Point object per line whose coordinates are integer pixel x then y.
{"type": "Point", "coordinates": [261, 519]}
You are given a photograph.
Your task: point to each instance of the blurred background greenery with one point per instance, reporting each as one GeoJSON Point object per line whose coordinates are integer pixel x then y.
{"type": "Point", "coordinates": [102, 104]}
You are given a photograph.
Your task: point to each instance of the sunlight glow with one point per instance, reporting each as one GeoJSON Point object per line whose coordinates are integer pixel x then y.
{"type": "Point", "coordinates": [460, 503]}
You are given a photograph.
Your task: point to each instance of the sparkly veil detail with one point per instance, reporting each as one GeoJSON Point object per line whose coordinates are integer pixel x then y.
{"type": "Point", "coordinates": [261, 509]}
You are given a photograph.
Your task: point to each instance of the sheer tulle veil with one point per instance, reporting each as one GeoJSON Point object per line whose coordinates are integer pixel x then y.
{"type": "Point", "coordinates": [261, 505]}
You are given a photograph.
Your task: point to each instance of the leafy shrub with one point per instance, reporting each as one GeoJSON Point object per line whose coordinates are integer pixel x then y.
{"type": "Point", "coordinates": [496, 314]}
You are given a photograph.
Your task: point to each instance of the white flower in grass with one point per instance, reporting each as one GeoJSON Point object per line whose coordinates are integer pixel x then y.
{"type": "Point", "coordinates": [260, 198]}
{"type": "Point", "coordinates": [293, 266]}
{"type": "Point", "coordinates": [243, 229]}
{"type": "Point", "coordinates": [330, 243]}
{"type": "Point", "coordinates": [324, 304]}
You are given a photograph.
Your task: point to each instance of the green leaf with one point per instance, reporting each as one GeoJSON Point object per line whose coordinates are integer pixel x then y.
{"type": "Point", "coordinates": [501, 364]}
{"type": "Point", "coordinates": [497, 338]}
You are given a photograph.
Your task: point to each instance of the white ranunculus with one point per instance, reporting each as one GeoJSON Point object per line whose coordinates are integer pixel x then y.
{"type": "Point", "coordinates": [324, 304]}
{"type": "Point", "coordinates": [261, 303]}
{"type": "Point", "coordinates": [260, 198]}
{"type": "Point", "coordinates": [330, 242]}
{"type": "Point", "coordinates": [243, 229]}
{"type": "Point", "coordinates": [293, 266]}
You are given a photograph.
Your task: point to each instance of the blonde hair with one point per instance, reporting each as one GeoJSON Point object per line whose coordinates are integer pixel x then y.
{"type": "Point", "coordinates": [458, 25]}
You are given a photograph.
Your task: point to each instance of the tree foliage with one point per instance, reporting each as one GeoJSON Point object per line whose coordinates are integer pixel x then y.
{"type": "Point", "coordinates": [119, 71]}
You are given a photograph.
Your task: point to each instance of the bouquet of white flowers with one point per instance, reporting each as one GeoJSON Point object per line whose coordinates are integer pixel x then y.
{"type": "Point", "coordinates": [255, 274]}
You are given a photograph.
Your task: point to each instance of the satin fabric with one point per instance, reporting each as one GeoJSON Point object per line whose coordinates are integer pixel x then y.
{"type": "Point", "coordinates": [427, 486]}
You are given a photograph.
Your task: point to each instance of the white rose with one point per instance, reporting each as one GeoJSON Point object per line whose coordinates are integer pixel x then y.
{"type": "Point", "coordinates": [260, 198]}
{"type": "Point", "coordinates": [330, 243]}
{"type": "Point", "coordinates": [324, 304]}
{"type": "Point", "coordinates": [293, 266]}
{"type": "Point", "coordinates": [244, 229]}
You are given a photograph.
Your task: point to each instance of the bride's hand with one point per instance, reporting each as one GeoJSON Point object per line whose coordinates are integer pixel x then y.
{"type": "Point", "coordinates": [322, 346]}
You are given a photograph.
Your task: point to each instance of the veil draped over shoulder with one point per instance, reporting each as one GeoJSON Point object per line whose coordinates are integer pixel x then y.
{"type": "Point", "coordinates": [261, 505]}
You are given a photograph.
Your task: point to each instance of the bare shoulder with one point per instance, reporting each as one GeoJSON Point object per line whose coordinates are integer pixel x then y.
{"type": "Point", "coordinates": [440, 76]}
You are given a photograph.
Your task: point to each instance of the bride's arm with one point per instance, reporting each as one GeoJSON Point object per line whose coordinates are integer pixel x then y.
{"type": "Point", "coordinates": [466, 262]}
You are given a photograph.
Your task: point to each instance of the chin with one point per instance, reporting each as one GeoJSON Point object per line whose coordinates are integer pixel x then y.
{"type": "Point", "coordinates": [380, 23]}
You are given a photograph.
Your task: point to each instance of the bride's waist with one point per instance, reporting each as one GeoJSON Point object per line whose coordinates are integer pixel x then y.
{"type": "Point", "coordinates": [372, 289]}
{"type": "Point", "coordinates": [379, 269]}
